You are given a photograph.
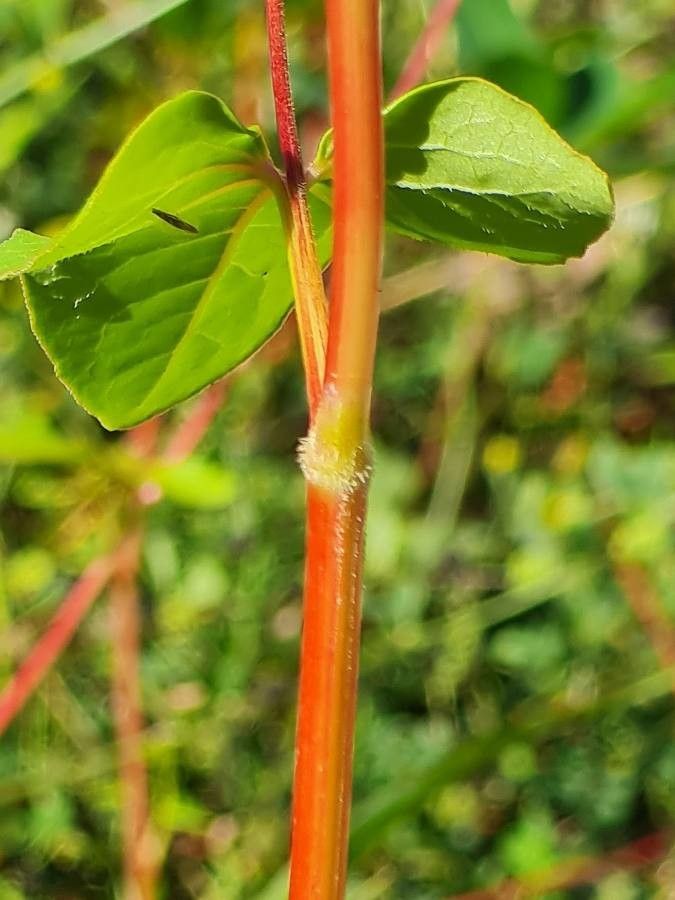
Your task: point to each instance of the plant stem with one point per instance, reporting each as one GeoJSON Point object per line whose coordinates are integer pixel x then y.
{"type": "Point", "coordinates": [60, 630]}
{"type": "Point", "coordinates": [310, 299]}
{"type": "Point", "coordinates": [578, 871]}
{"type": "Point", "coordinates": [335, 461]}
{"type": "Point", "coordinates": [327, 695]}
{"type": "Point", "coordinates": [426, 47]}
{"type": "Point", "coordinates": [189, 433]}
{"type": "Point", "coordinates": [142, 439]}
{"type": "Point", "coordinates": [358, 211]}
{"type": "Point", "coordinates": [75, 605]}
{"type": "Point", "coordinates": [139, 851]}
{"type": "Point", "coordinates": [649, 610]}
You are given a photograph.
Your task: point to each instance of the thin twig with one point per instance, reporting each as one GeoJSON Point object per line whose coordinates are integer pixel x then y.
{"type": "Point", "coordinates": [60, 630]}
{"type": "Point", "coordinates": [576, 872]}
{"type": "Point", "coordinates": [648, 609]}
{"type": "Point", "coordinates": [85, 590]}
{"type": "Point", "coordinates": [427, 46]}
{"type": "Point", "coordinates": [423, 279]}
{"type": "Point", "coordinates": [142, 439]}
{"type": "Point", "coordinates": [139, 846]}
{"type": "Point", "coordinates": [190, 432]}
{"type": "Point", "coordinates": [289, 142]}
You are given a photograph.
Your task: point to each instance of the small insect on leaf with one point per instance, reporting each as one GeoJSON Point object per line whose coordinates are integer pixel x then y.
{"type": "Point", "coordinates": [175, 221]}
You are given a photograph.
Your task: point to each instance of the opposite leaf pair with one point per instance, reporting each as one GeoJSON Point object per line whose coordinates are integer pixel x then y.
{"type": "Point", "coordinates": [137, 315]}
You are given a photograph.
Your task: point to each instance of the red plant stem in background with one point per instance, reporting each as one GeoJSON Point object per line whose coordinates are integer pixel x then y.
{"type": "Point", "coordinates": [336, 464]}
{"type": "Point", "coordinates": [310, 301]}
{"type": "Point", "coordinates": [143, 438]}
{"type": "Point", "coordinates": [648, 610]}
{"type": "Point", "coordinates": [576, 872]}
{"type": "Point", "coordinates": [60, 630]}
{"type": "Point", "coordinates": [426, 47]}
{"type": "Point", "coordinates": [76, 603]}
{"type": "Point", "coordinates": [139, 850]}
{"type": "Point", "coordinates": [139, 847]}
{"type": "Point", "coordinates": [191, 431]}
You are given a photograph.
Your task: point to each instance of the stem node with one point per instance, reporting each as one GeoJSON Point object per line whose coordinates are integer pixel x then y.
{"type": "Point", "coordinates": [333, 456]}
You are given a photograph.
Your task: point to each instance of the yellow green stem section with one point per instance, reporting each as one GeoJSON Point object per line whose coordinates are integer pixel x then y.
{"type": "Point", "coordinates": [310, 303]}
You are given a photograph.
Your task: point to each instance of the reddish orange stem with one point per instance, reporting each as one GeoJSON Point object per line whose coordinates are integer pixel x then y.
{"type": "Point", "coordinates": [328, 681]}
{"type": "Point", "coordinates": [49, 647]}
{"type": "Point", "coordinates": [358, 200]}
{"type": "Point", "coordinates": [336, 465]}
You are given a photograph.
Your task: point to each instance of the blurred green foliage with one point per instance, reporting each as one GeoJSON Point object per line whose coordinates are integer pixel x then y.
{"type": "Point", "coordinates": [512, 710]}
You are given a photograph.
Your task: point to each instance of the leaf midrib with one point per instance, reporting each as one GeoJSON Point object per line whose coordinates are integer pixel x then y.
{"type": "Point", "coordinates": [235, 236]}
{"type": "Point", "coordinates": [53, 254]}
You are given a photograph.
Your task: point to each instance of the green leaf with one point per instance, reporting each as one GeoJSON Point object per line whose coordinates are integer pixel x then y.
{"type": "Point", "coordinates": [194, 483]}
{"type": "Point", "coordinates": [78, 45]}
{"type": "Point", "coordinates": [19, 252]}
{"type": "Point", "coordinates": [497, 44]}
{"type": "Point", "coordinates": [137, 314]}
{"type": "Point", "coordinates": [470, 165]}
{"type": "Point", "coordinates": [22, 120]}
{"type": "Point", "coordinates": [624, 106]}
{"type": "Point", "coordinates": [30, 438]}
{"type": "Point", "coordinates": [530, 844]}
{"type": "Point", "coordinates": [489, 30]}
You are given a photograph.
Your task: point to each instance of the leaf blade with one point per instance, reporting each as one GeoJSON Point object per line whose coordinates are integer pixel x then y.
{"type": "Point", "coordinates": [29, 438]}
{"type": "Point", "coordinates": [448, 201]}
{"type": "Point", "coordinates": [472, 166]}
{"type": "Point", "coordinates": [195, 483]}
{"type": "Point", "coordinates": [20, 251]}
{"type": "Point", "coordinates": [136, 315]}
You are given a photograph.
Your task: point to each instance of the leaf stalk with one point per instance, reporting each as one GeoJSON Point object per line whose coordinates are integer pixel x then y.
{"type": "Point", "coordinates": [310, 298]}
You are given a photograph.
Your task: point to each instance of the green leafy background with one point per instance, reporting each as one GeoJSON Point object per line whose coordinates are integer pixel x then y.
{"type": "Point", "coordinates": [523, 423]}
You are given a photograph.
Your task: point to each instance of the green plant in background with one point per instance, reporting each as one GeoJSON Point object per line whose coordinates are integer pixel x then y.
{"type": "Point", "coordinates": [425, 199]}
{"type": "Point", "coordinates": [138, 314]}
